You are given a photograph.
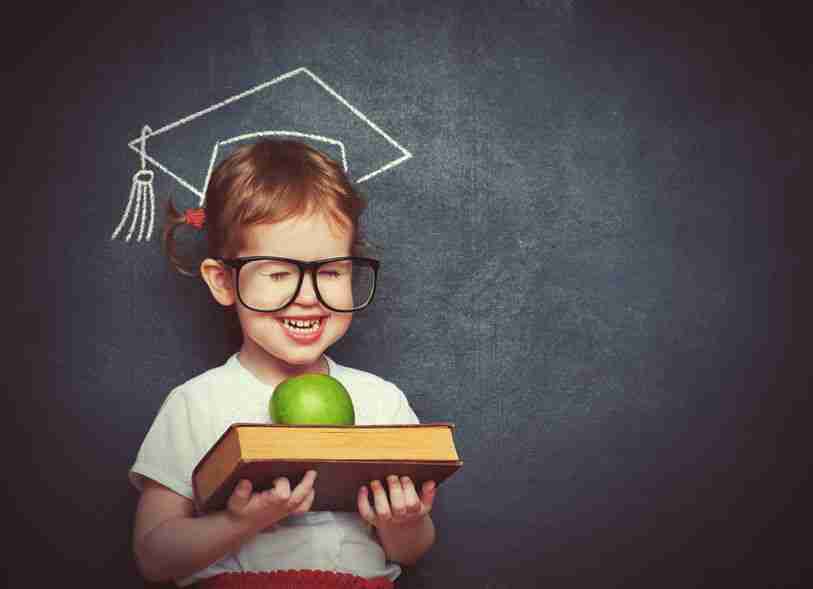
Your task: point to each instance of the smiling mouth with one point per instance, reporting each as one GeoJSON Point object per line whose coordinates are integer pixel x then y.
{"type": "Point", "coordinates": [302, 326]}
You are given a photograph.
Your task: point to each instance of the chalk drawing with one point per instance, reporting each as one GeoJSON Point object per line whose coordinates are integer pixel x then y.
{"type": "Point", "coordinates": [142, 195]}
{"type": "Point", "coordinates": [212, 161]}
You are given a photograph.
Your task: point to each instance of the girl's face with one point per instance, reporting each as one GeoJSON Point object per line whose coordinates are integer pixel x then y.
{"type": "Point", "coordinates": [272, 348]}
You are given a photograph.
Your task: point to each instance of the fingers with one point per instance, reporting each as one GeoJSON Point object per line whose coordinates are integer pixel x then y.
{"type": "Point", "coordinates": [303, 489]}
{"type": "Point", "coordinates": [240, 496]}
{"type": "Point", "coordinates": [281, 493]}
{"type": "Point", "coordinates": [380, 501]}
{"type": "Point", "coordinates": [306, 503]}
{"type": "Point", "coordinates": [428, 493]}
{"type": "Point", "coordinates": [309, 479]}
{"type": "Point", "coordinates": [411, 500]}
{"type": "Point", "coordinates": [396, 491]}
{"type": "Point", "coordinates": [381, 510]}
{"type": "Point", "coordinates": [363, 501]}
{"type": "Point", "coordinates": [278, 496]}
{"type": "Point", "coordinates": [281, 489]}
{"type": "Point", "coordinates": [398, 502]}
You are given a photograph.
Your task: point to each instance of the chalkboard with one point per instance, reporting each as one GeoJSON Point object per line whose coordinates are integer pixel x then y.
{"type": "Point", "coordinates": [590, 263]}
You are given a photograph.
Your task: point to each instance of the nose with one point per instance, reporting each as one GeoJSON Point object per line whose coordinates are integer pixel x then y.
{"type": "Point", "coordinates": [307, 292]}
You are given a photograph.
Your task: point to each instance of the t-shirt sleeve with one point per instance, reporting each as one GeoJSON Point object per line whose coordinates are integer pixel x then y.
{"type": "Point", "coordinates": [170, 449]}
{"type": "Point", "coordinates": [400, 412]}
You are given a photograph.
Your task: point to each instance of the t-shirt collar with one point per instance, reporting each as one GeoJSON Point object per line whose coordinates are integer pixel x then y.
{"type": "Point", "coordinates": [248, 377]}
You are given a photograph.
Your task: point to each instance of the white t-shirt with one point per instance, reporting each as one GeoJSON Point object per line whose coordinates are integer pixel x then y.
{"type": "Point", "coordinates": [195, 415]}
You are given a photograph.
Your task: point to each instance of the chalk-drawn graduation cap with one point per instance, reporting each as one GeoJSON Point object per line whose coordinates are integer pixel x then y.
{"type": "Point", "coordinates": [297, 105]}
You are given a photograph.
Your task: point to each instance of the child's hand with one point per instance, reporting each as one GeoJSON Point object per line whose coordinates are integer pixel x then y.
{"type": "Point", "coordinates": [266, 508]}
{"type": "Point", "coordinates": [403, 507]}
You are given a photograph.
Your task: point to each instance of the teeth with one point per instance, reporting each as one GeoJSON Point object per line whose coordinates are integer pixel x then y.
{"type": "Point", "coordinates": [302, 326]}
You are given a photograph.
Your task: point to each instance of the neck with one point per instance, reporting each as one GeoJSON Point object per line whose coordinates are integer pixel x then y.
{"type": "Point", "coordinates": [271, 370]}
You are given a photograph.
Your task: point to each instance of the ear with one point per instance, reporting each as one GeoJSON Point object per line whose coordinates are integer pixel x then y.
{"type": "Point", "coordinates": [219, 279]}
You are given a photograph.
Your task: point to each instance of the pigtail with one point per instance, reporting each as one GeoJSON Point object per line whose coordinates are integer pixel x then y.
{"type": "Point", "coordinates": [175, 220]}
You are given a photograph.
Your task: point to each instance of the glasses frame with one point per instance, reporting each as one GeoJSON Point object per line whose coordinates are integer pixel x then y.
{"type": "Point", "coordinates": [312, 267]}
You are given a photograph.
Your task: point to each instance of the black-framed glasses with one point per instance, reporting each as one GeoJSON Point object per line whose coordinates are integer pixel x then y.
{"type": "Point", "coordinates": [268, 283]}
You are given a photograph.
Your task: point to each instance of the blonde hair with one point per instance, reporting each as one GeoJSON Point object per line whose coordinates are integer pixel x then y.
{"type": "Point", "coordinates": [266, 182]}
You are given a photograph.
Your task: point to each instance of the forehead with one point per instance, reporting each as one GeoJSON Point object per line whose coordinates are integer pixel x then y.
{"type": "Point", "coordinates": [310, 237]}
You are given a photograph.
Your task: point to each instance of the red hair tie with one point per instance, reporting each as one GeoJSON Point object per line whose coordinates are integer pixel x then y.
{"type": "Point", "coordinates": [195, 217]}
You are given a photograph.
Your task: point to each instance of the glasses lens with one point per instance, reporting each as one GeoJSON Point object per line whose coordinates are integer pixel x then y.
{"type": "Point", "coordinates": [268, 285]}
{"type": "Point", "coordinates": [346, 285]}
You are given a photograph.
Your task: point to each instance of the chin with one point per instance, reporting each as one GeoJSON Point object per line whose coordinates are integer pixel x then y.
{"type": "Point", "coordinates": [302, 359]}
{"type": "Point", "coordinates": [301, 362]}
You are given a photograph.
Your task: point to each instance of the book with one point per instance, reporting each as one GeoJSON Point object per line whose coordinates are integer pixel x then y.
{"type": "Point", "coordinates": [345, 458]}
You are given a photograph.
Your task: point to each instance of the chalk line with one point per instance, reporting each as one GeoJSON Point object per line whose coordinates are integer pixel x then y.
{"type": "Point", "coordinates": [138, 144]}
{"type": "Point", "coordinates": [247, 136]}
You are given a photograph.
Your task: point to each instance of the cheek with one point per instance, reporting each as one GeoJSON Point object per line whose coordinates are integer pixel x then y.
{"type": "Point", "coordinates": [341, 322]}
{"type": "Point", "coordinates": [253, 320]}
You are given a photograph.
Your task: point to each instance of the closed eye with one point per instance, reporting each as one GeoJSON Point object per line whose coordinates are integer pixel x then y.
{"type": "Point", "coordinates": [276, 276]}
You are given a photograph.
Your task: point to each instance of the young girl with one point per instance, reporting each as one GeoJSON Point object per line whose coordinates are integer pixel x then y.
{"type": "Point", "coordinates": [283, 237]}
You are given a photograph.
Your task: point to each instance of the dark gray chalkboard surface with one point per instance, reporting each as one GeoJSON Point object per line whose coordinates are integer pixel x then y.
{"type": "Point", "coordinates": [589, 265]}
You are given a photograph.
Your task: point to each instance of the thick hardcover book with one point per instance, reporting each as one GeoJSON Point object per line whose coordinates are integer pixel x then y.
{"type": "Point", "coordinates": [345, 458]}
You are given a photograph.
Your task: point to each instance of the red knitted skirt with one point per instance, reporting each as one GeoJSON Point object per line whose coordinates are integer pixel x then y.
{"type": "Point", "coordinates": [302, 579]}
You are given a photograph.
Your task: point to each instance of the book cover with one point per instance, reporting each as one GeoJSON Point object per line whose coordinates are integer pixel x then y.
{"type": "Point", "coordinates": [345, 457]}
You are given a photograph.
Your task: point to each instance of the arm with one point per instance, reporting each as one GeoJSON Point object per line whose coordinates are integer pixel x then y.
{"type": "Point", "coordinates": [170, 542]}
{"type": "Point", "coordinates": [402, 521]}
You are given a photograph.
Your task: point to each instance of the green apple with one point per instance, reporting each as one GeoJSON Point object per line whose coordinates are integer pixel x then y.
{"type": "Point", "coordinates": [311, 399]}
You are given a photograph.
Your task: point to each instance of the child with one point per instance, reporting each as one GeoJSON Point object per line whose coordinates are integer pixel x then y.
{"type": "Point", "coordinates": [286, 200]}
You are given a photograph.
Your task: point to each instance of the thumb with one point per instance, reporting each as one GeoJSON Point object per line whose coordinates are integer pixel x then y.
{"type": "Point", "coordinates": [240, 496]}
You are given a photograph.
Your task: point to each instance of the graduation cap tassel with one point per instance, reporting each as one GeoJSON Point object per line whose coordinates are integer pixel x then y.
{"type": "Point", "coordinates": [142, 195]}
